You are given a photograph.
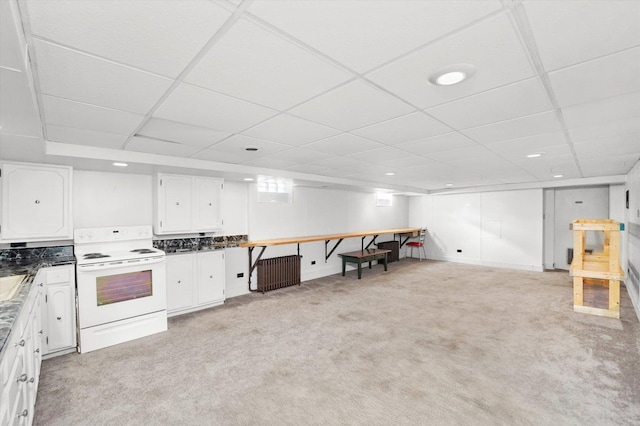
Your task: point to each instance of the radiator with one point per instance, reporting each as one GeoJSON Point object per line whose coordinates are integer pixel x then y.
{"type": "Point", "coordinates": [278, 272]}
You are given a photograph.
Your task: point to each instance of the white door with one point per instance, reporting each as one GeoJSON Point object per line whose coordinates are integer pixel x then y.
{"type": "Point", "coordinates": [60, 315]}
{"type": "Point", "coordinates": [180, 274]}
{"type": "Point", "coordinates": [208, 208]}
{"type": "Point", "coordinates": [572, 204]}
{"type": "Point", "coordinates": [176, 204]}
{"type": "Point", "coordinates": [210, 276]}
{"type": "Point", "coordinates": [35, 202]}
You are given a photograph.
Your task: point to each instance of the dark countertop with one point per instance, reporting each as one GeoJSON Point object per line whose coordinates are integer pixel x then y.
{"type": "Point", "coordinates": [10, 309]}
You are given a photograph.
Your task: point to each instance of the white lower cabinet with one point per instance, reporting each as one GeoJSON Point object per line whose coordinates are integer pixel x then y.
{"type": "Point", "coordinates": [20, 363]}
{"type": "Point", "coordinates": [195, 281]}
{"type": "Point", "coordinates": [59, 314]}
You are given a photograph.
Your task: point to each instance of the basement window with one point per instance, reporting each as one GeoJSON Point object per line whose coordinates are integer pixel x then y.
{"type": "Point", "coordinates": [275, 190]}
{"type": "Point", "coordinates": [384, 199]}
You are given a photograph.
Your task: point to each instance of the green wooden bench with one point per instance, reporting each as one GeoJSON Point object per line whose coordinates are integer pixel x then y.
{"type": "Point", "coordinates": [363, 256]}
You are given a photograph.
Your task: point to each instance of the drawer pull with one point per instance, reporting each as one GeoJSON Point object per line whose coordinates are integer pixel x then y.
{"type": "Point", "coordinates": [20, 343]}
{"type": "Point", "coordinates": [58, 318]}
{"type": "Point", "coordinates": [25, 413]}
{"type": "Point", "coordinates": [22, 378]}
{"type": "Point", "coordinates": [37, 351]}
{"type": "Point", "coordinates": [31, 380]}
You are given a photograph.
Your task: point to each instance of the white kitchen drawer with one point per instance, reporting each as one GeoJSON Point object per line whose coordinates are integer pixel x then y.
{"type": "Point", "coordinates": [58, 275]}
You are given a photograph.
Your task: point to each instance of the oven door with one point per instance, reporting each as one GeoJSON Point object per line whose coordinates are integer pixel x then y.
{"type": "Point", "coordinates": [112, 291]}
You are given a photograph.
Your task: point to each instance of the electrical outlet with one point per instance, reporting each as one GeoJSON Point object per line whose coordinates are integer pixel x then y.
{"type": "Point", "coordinates": [313, 262]}
{"type": "Point", "coordinates": [459, 251]}
{"type": "Point", "coordinates": [240, 275]}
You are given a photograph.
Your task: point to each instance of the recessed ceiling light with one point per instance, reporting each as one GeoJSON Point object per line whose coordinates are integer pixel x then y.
{"type": "Point", "coordinates": [248, 179]}
{"type": "Point", "coordinates": [558, 176]}
{"type": "Point", "coordinates": [536, 155]}
{"type": "Point", "coordinates": [452, 74]}
{"type": "Point", "coordinates": [390, 174]}
{"type": "Point", "coordinates": [120, 164]}
{"type": "Point", "coordinates": [251, 148]}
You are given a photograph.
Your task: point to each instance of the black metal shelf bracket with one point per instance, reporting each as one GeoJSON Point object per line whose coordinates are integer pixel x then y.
{"type": "Point", "coordinates": [253, 265]}
{"type": "Point", "coordinates": [370, 242]}
{"type": "Point", "coordinates": [326, 243]}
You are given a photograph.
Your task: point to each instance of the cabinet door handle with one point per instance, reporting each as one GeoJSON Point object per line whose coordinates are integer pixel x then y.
{"type": "Point", "coordinates": [37, 201]}
{"type": "Point", "coordinates": [20, 343]}
{"type": "Point", "coordinates": [210, 204]}
{"type": "Point", "coordinates": [37, 351]}
{"type": "Point", "coordinates": [25, 413]}
{"type": "Point", "coordinates": [177, 203]}
{"type": "Point", "coordinates": [22, 378]}
{"type": "Point", "coordinates": [41, 284]}
{"type": "Point", "coordinates": [31, 380]}
{"type": "Point", "coordinates": [58, 318]}
{"type": "Point", "coordinates": [179, 281]}
{"type": "Point", "coordinates": [210, 276]}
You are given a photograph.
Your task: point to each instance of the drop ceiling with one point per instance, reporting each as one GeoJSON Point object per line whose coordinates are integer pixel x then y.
{"type": "Point", "coordinates": [332, 92]}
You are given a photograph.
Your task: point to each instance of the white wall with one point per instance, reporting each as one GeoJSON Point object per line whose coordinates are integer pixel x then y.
{"type": "Point", "coordinates": [316, 211]}
{"type": "Point", "coordinates": [501, 229]}
{"type": "Point", "coordinates": [632, 222]}
{"type": "Point", "coordinates": [111, 199]}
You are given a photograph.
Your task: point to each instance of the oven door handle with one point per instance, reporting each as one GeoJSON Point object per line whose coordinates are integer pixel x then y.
{"type": "Point", "coordinates": [121, 264]}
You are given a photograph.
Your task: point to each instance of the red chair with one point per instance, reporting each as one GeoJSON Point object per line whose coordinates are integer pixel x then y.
{"type": "Point", "coordinates": [419, 244]}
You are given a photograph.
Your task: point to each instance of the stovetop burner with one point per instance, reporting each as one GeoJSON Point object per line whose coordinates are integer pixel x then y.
{"type": "Point", "coordinates": [143, 251]}
{"type": "Point", "coordinates": [95, 255]}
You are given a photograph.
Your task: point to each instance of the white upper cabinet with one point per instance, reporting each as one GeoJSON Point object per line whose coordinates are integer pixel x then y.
{"type": "Point", "coordinates": [187, 204]}
{"type": "Point", "coordinates": [208, 206]}
{"type": "Point", "coordinates": [36, 202]}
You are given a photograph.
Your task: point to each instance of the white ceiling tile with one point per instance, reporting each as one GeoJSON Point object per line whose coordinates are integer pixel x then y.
{"type": "Point", "coordinates": [68, 74]}
{"type": "Point", "coordinates": [336, 162]}
{"type": "Point", "coordinates": [343, 144]}
{"type": "Point", "coordinates": [63, 112]}
{"type": "Point", "coordinates": [254, 64]}
{"type": "Point", "coordinates": [605, 77]}
{"type": "Point", "coordinates": [535, 124]}
{"type": "Point", "coordinates": [619, 145]}
{"type": "Point", "coordinates": [180, 132]}
{"type": "Point", "coordinates": [613, 128]}
{"type": "Point", "coordinates": [18, 112]}
{"type": "Point", "coordinates": [290, 130]}
{"type": "Point", "coordinates": [238, 144]}
{"type": "Point", "coordinates": [401, 164]}
{"type": "Point", "coordinates": [352, 31]}
{"type": "Point", "coordinates": [154, 146]}
{"type": "Point", "coordinates": [609, 166]}
{"type": "Point", "coordinates": [439, 143]}
{"type": "Point", "coordinates": [269, 162]}
{"type": "Point", "coordinates": [21, 148]}
{"type": "Point", "coordinates": [302, 155]}
{"type": "Point", "coordinates": [528, 144]}
{"type": "Point", "coordinates": [352, 106]}
{"type": "Point", "coordinates": [550, 154]}
{"type": "Point", "coordinates": [223, 156]}
{"type": "Point", "coordinates": [504, 103]}
{"type": "Point", "coordinates": [458, 154]}
{"type": "Point", "coordinates": [603, 111]}
{"type": "Point", "coordinates": [85, 137]}
{"type": "Point", "coordinates": [201, 107]}
{"type": "Point", "coordinates": [307, 168]}
{"type": "Point", "coordinates": [381, 155]}
{"type": "Point", "coordinates": [10, 46]}
{"type": "Point", "coordinates": [157, 36]}
{"type": "Point", "coordinates": [491, 46]}
{"type": "Point", "coordinates": [569, 32]}
{"type": "Point", "coordinates": [402, 129]}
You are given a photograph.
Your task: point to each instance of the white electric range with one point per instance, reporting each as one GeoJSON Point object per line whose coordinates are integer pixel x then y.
{"type": "Point", "coordinates": [121, 280]}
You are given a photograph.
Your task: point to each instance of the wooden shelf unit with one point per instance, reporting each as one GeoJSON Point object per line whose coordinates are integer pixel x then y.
{"type": "Point", "coordinates": [598, 269]}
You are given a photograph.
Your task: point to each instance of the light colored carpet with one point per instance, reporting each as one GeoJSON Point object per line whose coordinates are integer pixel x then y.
{"type": "Point", "coordinates": [429, 343]}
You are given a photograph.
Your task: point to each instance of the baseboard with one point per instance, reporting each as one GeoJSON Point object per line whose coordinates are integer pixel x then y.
{"type": "Point", "coordinates": [467, 261]}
